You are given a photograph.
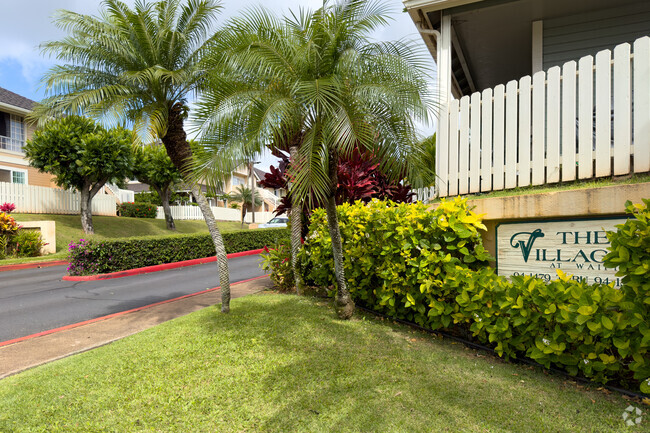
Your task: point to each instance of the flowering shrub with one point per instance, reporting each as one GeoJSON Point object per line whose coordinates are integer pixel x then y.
{"type": "Point", "coordinates": [277, 260]}
{"type": "Point", "coordinates": [137, 210]}
{"type": "Point", "coordinates": [7, 207]}
{"type": "Point", "coordinates": [428, 267]}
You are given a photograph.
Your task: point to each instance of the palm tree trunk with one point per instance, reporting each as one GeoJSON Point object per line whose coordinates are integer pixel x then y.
{"type": "Point", "coordinates": [343, 302]}
{"type": "Point", "coordinates": [179, 151]}
{"type": "Point", "coordinates": [217, 239]}
{"type": "Point", "coordinates": [165, 195]}
{"type": "Point", "coordinates": [296, 231]}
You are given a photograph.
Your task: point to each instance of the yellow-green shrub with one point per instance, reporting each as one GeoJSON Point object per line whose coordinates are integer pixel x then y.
{"type": "Point", "coordinates": [428, 267]}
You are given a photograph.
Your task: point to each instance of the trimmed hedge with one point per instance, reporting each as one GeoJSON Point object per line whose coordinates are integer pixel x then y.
{"type": "Point", "coordinates": [89, 257]}
{"type": "Point", "coordinates": [137, 210]}
{"type": "Point", "coordinates": [427, 267]}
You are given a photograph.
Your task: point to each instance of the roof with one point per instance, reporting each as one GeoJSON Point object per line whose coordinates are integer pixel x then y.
{"type": "Point", "coordinates": [259, 173]}
{"type": "Point", "coordinates": [10, 98]}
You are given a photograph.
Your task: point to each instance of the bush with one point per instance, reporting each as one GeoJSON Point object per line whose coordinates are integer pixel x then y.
{"type": "Point", "coordinates": [428, 267]}
{"type": "Point", "coordinates": [88, 257]}
{"type": "Point", "coordinates": [27, 243]}
{"type": "Point", "coordinates": [137, 210]}
{"type": "Point", "coordinates": [7, 207]}
{"type": "Point", "coordinates": [277, 260]}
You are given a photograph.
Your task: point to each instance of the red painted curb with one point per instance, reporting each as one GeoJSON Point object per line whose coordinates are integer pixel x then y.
{"type": "Point", "coordinates": [43, 264]}
{"type": "Point", "coordinates": [121, 313]}
{"type": "Point", "coordinates": [157, 268]}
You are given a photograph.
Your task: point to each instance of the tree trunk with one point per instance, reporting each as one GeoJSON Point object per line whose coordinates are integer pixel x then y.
{"type": "Point", "coordinates": [224, 276]}
{"type": "Point", "coordinates": [86, 211]}
{"type": "Point", "coordinates": [165, 195]}
{"type": "Point", "coordinates": [296, 231]}
{"type": "Point", "coordinates": [179, 151]}
{"type": "Point", "coordinates": [243, 213]}
{"type": "Point", "coordinates": [343, 302]}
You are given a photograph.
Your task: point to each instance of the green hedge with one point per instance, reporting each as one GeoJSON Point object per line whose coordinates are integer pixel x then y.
{"type": "Point", "coordinates": [137, 210]}
{"type": "Point", "coordinates": [88, 257]}
{"type": "Point", "coordinates": [428, 267]}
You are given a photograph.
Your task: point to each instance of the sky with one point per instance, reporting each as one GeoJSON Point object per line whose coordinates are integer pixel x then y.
{"type": "Point", "coordinates": [28, 23]}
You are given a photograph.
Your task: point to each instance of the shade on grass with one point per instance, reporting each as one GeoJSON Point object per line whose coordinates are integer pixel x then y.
{"type": "Point", "coordinates": [285, 364]}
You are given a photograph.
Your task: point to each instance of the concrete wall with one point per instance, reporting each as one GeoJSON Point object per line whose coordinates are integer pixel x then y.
{"type": "Point", "coordinates": [578, 203]}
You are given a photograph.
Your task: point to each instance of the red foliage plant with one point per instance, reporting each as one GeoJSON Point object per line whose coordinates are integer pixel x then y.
{"type": "Point", "coordinates": [7, 207]}
{"type": "Point", "coordinates": [359, 178]}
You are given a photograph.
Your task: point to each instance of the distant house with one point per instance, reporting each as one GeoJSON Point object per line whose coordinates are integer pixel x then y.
{"type": "Point", "coordinates": [14, 131]}
{"type": "Point", "coordinates": [537, 92]}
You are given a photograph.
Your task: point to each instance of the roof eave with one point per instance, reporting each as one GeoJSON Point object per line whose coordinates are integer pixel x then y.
{"type": "Point", "coordinates": [435, 5]}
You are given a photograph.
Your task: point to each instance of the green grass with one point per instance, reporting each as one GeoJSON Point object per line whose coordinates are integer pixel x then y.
{"type": "Point", "coordinates": [583, 184]}
{"type": "Point", "coordinates": [285, 364]}
{"type": "Point", "coordinates": [68, 228]}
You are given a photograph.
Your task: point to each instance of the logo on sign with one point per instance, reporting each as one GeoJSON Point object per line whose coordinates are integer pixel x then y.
{"type": "Point", "coordinates": [527, 245]}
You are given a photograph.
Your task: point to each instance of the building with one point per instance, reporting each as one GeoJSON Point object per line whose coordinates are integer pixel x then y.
{"type": "Point", "coordinates": [14, 131]}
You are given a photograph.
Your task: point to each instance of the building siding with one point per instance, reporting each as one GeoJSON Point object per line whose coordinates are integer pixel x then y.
{"type": "Point", "coordinates": [572, 37]}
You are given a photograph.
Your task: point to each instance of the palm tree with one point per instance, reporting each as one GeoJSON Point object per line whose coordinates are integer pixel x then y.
{"type": "Point", "coordinates": [244, 195]}
{"type": "Point", "coordinates": [139, 65]}
{"type": "Point", "coordinates": [314, 85]}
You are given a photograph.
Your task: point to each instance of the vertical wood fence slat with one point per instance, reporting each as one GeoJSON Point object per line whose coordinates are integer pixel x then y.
{"type": "Point", "coordinates": [523, 179]}
{"type": "Point", "coordinates": [568, 147]}
{"type": "Point", "coordinates": [511, 135]}
{"type": "Point", "coordinates": [642, 105]}
{"type": "Point", "coordinates": [622, 109]}
{"type": "Point", "coordinates": [603, 113]}
{"type": "Point", "coordinates": [553, 126]}
{"type": "Point", "coordinates": [475, 144]}
{"type": "Point", "coordinates": [442, 154]}
{"type": "Point", "coordinates": [463, 152]}
{"type": "Point", "coordinates": [539, 111]}
{"type": "Point", "coordinates": [453, 148]}
{"type": "Point", "coordinates": [585, 116]}
{"type": "Point", "coordinates": [499, 138]}
{"type": "Point", "coordinates": [486, 141]}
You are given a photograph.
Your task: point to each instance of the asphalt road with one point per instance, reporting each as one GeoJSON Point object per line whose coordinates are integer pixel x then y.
{"type": "Point", "coordinates": [35, 300]}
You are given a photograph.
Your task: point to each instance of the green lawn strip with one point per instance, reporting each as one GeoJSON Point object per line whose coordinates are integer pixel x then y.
{"type": "Point", "coordinates": [68, 228]}
{"type": "Point", "coordinates": [281, 363]}
{"type": "Point", "coordinates": [581, 184]}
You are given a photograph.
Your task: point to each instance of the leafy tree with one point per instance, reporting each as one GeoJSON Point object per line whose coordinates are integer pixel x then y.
{"type": "Point", "coordinates": [83, 156]}
{"type": "Point", "coordinates": [154, 167]}
{"type": "Point", "coordinates": [244, 195]}
{"type": "Point", "coordinates": [313, 85]}
{"type": "Point", "coordinates": [141, 64]}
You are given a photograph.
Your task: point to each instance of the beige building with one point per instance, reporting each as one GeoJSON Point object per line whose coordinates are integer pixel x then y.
{"type": "Point", "coordinates": [14, 131]}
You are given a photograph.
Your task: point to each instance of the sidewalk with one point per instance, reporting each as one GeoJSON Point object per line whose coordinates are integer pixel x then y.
{"type": "Point", "coordinates": [32, 352]}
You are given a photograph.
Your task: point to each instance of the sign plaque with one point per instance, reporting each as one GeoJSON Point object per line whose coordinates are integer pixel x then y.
{"type": "Point", "coordinates": [539, 248]}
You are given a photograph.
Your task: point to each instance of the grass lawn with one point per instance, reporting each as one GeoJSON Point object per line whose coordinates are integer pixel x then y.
{"type": "Point", "coordinates": [280, 363]}
{"type": "Point", "coordinates": [68, 228]}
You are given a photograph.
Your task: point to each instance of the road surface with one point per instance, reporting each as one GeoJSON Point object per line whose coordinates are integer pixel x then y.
{"type": "Point", "coordinates": [35, 300]}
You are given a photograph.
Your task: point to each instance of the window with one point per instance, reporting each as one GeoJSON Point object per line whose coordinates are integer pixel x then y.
{"type": "Point", "coordinates": [12, 132]}
{"type": "Point", "coordinates": [18, 177]}
{"type": "Point", "coordinates": [237, 181]}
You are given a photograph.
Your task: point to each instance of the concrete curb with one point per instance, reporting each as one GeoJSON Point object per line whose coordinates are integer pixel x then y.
{"type": "Point", "coordinates": [157, 268]}
{"type": "Point", "coordinates": [43, 264]}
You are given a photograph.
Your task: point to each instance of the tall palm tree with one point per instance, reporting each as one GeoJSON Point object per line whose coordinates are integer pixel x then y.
{"type": "Point", "coordinates": [244, 195]}
{"type": "Point", "coordinates": [313, 84]}
{"type": "Point", "coordinates": [139, 65]}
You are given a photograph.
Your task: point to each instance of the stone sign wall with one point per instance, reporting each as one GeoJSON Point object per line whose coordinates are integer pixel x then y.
{"type": "Point", "coordinates": [539, 248]}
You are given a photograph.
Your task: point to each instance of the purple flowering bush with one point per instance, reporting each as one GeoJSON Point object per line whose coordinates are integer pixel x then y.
{"type": "Point", "coordinates": [87, 258]}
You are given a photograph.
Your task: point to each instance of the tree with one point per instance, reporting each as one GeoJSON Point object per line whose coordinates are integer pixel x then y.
{"type": "Point", "coordinates": [140, 64]}
{"type": "Point", "coordinates": [83, 156]}
{"type": "Point", "coordinates": [244, 195]}
{"type": "Point", "coordinates": [312, 84]}
{"type": "Point", "coordinates": [153, 167]}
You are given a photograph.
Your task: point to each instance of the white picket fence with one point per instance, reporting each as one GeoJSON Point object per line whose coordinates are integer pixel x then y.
{"type": "Point", "coordinates": [38, 199]}
{"type": "Point", "coordinates": [584, 120]}
{"type": "Point", "coordinates": [424, 194]}
{"type": "Point", "coordinates": [220, 213]}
